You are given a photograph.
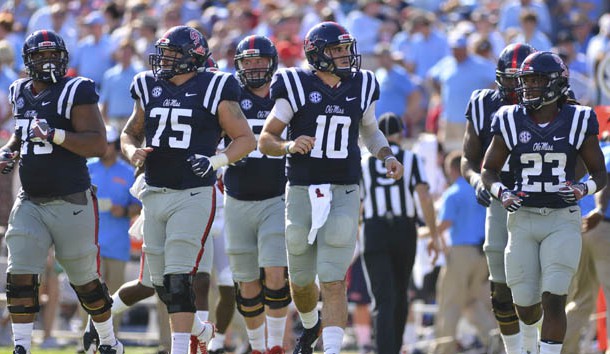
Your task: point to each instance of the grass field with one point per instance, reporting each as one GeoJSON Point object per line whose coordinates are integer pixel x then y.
{"type": "Point", "coordinates": [72, 350]}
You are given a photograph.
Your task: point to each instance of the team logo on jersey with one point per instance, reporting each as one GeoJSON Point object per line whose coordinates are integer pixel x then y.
{"type": "Point", "coordinates": [20, 102]}
{"type": "Point", "coordinates": [156, 91]}
{"type": "Point", "coordinates": [246, 104]}
{"type": "Point", "coordinates": [525, 136]}
{"type": "Point", "coordinates": [315, 97]}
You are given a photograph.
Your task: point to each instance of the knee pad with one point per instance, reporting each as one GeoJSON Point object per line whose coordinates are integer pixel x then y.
{"type": "Point", "coordinates": [22, 292]}
{"type": "Point", "coordinates": [177, 293]}
{"type": "Point", "coordinates": [86, 299]}
{"type": "Point", "coordinates": [502, 304]}
{"type": "Point", "coordinates": [277, 299]}
{"type": "Point", "coordinates": [256, 304]}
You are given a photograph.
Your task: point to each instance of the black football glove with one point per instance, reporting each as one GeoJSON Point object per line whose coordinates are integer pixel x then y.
{"type": "Point", "coordinates": [200, 164]}
{"type": "Point", "coordinates": [483, 195]}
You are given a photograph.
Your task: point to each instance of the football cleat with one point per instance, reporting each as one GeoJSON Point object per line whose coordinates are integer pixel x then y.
{"type": "Point", "coordinates": [276, 350]}
{"type": "Point", "coordinates": [91, 339]}
{"type": "Point", "coordinates": [308, 339]}
{"type": "Point", "coordinates": [117, 348]}
{"type": "Point", "coordinates": [19, 349]}
{"type": "Point", "coordinates": [256, 352]}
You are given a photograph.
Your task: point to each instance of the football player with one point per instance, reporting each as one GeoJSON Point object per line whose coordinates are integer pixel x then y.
{"type": "Point", "coordinates": [254, 202]}
{"type": "Point", "coordinates": [179, 115]}
{"type": "Point", "coordinates": [57, 126]}
{"type": "Point", "coordinates": [479, 113]}
{"type": "Point", "coordinates": [544, 137]}
{"type": "Point", "coordinates": [326, 108]}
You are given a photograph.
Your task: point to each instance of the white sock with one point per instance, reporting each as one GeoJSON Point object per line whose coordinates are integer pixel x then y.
{"type": "Point", "coordinates": [530, 336]}
{"type": "Point", "coordinates": [218, 342]}
{"type": "Point", "coordinates": [202, 315]}
{"type": "Point", "coordinates": [105, 331]}
{"type": "Point", "coordinates": [512, 343]}
{"type": "Point", "coordinates": [180, 343]}
{"type": "Point", "coordinates": [22, 334]}
{"type": "Point", "coordinates": [309, 319]}
{"type": "Point", "coordinates": [257, 338]}
{"type": "Point", "coordinates": [118, 305]}
{"type": "Point", "coordinates": [332, 337]}
{"type": "Point", "coordinates": [547, 348]}
{"type": "Point", "coordinates": [363, 335]}
{"type": "Point", "coordinates": [275, 331]}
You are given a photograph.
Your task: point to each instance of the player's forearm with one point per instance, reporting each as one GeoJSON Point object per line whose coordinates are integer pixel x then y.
{"type": "Point", "coordinates": [273, 145]}
{"type": "Point", "coordinates": [600, 178]}
{"type": "Point", "coordinates": [14, 144]}
{"type": "Point", "coordinates": [129, 144]}
{"type": "Point", "coordinates": [86, 144]}
{"type": "Point", "coordinates": [470, 170]}
{"type": "Point", "coordinates": [490, 177]}
{"type": "Point", "coordinates": [240, 147]}
{"type": "Point", "coordinates": [429, 214]}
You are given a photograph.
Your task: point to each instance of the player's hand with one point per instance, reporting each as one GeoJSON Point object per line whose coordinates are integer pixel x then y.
{"type": "Point", "coordinates": [7, 161]}
{"type": "Point", "coordinates": [40, 131]}
{"type": "Point", "coordinates": [302, 145]}
{"type": "Point", "coordinates": [483, 195]}
{"type": "Point", "coordinates": [511, 200]}
{"type": "Point", "coordinates": [434, 248]}
{"type": "Point", "coordinates": [139, 156]}
{"type": "Point", "coordinates": [394, 169]}
{"type": "Point", "coordinates": [201, 165]}
{"type": "Point", "coordinates": [571, 193]}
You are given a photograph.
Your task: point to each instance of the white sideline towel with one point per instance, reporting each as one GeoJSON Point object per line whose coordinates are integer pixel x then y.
{"type": "Point", "coordinates": [137, 186]}
{"type": "Point", "coordinates": [320, 197]}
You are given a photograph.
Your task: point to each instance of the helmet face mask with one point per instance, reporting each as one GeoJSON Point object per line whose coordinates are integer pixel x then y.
{"type": "Point", "coordinates": [256, 61]}
{"type": "Point", "coordinates": [180, 50]}
{"type": "Point", "coordinates": [330, 48]}
{"type": "Point", "coordinates": [45, 56]}
{"type": "Point", "coordinates": [543, 79]}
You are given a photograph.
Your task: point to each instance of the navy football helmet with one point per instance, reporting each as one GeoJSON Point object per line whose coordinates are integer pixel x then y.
{"type": "Point", "coordinates": [543, 78]}
{"type": "Point", "coordinates": [324, 36]}
{"type": "Point", "coordinates": [180, 50]}
{"type": "Point", "coordinates": [251, 47]}
{"type": "Point", "coordinates": [510, 61]}
{"type": "Point", "coordinates": [49, 68]}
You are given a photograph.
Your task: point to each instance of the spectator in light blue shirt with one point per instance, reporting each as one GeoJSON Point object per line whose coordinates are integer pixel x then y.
{"type": "Point", "coordinates": [94, 53]}
{"type": "Point", "coordinates": [364, 25]}
{"type": "Point", "coordinates": [454, 78]}
{"type": "Point", "coordinates": [113, 178]}
{"type": "Point", "coordinates": [511, 11]}
{"type": "Point", "coordinates": [116, 102]}
{"type": "Point", "coordinates": [426, 46]}
{"type": "Point", "coordinates": [530, 32]}
{"type": "Point", "coordinates": [398, 91]}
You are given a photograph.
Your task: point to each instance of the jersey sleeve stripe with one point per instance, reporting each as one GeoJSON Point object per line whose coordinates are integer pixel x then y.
{"type": "Point", "coordinates": [574, 127]}
{"type": "Point", "coordinates": [291, 97]}
{"type": "Point", "coordinates": [583, 128]}
{"type": "Point", "coordinates": [473, 112]}
{"type": "Point", "coordinates": [62, 96]}
{"type": "Point", "coordinates": [299, 86]}
{"type": "Point", "coordinates": [365, 79]}
{"type": "Point", "coordinates": [221, 85]}
{"type": "Point", "coordinates": [481, 111]}
{"type": "Point", "coordinates": [71, 97]}
{"type": "Point", "coordinates": [372, 87]}
{"type": "Point", "coordinates": [513, 126]}
{"type": "Point", "coordinates": [144, 88]}
{"type": "Point", "coordinates": [505, 133]}
{"type": "Point", "coordinates": [138, 90]}
{"type": "Point", "coordinates": [209, 90]}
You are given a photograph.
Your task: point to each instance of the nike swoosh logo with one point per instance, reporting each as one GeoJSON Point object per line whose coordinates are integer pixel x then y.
{"type": "Point", "coordinates": [573, 211]}
{"type": "Point", "coordinates": [190, 94]}
{"type": "Point", "coordinates": [557, 139]}
{"type": "Point", "coordinates": [46, 103]}
{"type": "Point", "coordinates": [194, 193]}
{"type": "Point", "coordinates": [77, 212]}
{"type": "Point", "coordinates": [348, 192]}
{"type": "Point", "coordinates": [349, 99]}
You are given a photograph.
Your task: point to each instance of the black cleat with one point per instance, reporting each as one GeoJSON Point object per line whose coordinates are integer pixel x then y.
{"type": "Point", "coordinates": [91, 340]}
{"type": "Point", "coordinates": [112, 349]}
{"type": "Point", "coordinates": [307, 342]}
{"type": "Point", "coordinates": [19, 349]}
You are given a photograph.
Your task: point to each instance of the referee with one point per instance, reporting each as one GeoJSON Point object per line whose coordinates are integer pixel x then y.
{"type": "Point", "coordinates": [390, 235]}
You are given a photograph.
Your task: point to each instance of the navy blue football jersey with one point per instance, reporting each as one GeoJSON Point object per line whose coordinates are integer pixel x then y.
{"type": "Point", "coordinates": [46, 169]}
{"type": "Point", "coordinates": [480, 112]}
{"type": "Point", "coordinates": [262, 176]}
{"type": "Point", "coordinates": [181, 121]}
{"type": "Point", "coordinates": [543, 158]}
{"type": "Point", "coordinates": [332, 116]}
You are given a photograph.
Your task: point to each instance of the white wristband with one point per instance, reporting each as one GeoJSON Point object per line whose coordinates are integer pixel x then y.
{"type": "Point", "coordinates": [218, 161]}
{"type": "Point", "coordinates": [289, 145]}
{"type": "Point", "coordinates": [474, 180]}
{"type": "Point", "coordinates": [496, 189]}
{"type": "Point", "coordinates": [591, 186]}
{"type": "Point", "coordinates": [59, 137]}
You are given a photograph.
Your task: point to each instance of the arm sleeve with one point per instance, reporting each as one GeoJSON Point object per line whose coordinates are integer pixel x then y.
{"type": "Point", "coordinates": [282, 110]}
{"type": "Point", "coordinates": [371, 136]}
